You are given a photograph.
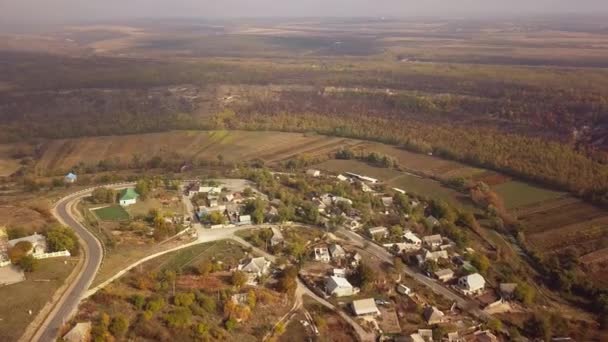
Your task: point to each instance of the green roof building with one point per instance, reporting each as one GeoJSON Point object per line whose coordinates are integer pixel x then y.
{"type": "Point", "coordinates": [128, 196]}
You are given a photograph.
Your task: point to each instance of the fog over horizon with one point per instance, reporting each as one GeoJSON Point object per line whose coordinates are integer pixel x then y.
{"type": "Point", "coordinates": [32, 13]}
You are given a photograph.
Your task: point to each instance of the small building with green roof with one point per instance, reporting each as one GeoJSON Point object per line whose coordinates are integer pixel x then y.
{"type": "Point", "coordinates": [128, 197]}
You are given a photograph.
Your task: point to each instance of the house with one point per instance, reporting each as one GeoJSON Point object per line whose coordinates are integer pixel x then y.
{"type": "Point", "coordinates": [362, 178]}
{"type": "Point", "coordinates": [387, 201]}
{"type": "Point", "coordinates": [210, 190]}
{"type": "Point", "coordinates": [255, 266]}
{"type": "Point", "coordinates": [378, 232]}
{"type": "Point", "coordinates": [244, 219]}
{"type": "Point", "coordinates": [322, 254]}
{"type": "Point", "coordinates": [432, 256]}
{"type": "Point", "coordinates": [213, 202]}
{"type": "Point", "coordinates": [128, 197]}
{"type": "Point", "coordinates": [444, 275]}
{"type": "Point", "coordinates": [472, 284]}
{"type": "Point", "coordinates": [70, 178]}
{"type": "Point", "coordinates": [365, 307]}
{"type": "Point", "coordinates": [337, 252]}
{"type": "Point", "coordinates": [432, 221]}
{"type": "Point", "coordinates": [229, 197]}
{"type": "Point", "coordinates": [338, 200]}
{"type": "Point", "coordinates": [399, 191]}
{"type": "Point", "coordinates": [339, 287]}
{"type": "Point", "coordinates": [433, 241]}
{"type": "Point", "coordinates": [412, 238]}
{"type": "Point", "coordinates": [38, 242]}
{"type": "Point", "coordinates": [454, 337]}
{"type": "Point", "coordinates": [423, 335]}
{"type": "Point", "coordinates": [339, 272]}
{"type": "Point", "coordinates": [404, 290]}
{"type": "Point", "coordinates": [313, 173]}
{"type": "Point", "coordinates": [342, 178]}
{"type": "Point", "coordinates": [507, 290]}
{"type": "Point", "coordinates": [400, 247]}
{"type": "Point", "coordinates": [81, 332]}
{"type": "Point", "coordinates": [432, 315]}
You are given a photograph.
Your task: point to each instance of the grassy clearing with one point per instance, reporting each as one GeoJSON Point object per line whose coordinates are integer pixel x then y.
{"type": "Point", "coordinates": [518, 194]}
{"type": "Point", "coordinates": [31, 294]}
{"type": "Point", "coordinates": [112, 213]}
{"type": "Point", "coordinates": [227, 251]}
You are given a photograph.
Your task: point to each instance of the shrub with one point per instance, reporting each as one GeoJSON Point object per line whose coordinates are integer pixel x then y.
{"type": "Point", "coordinates": [28, 263]}
{"type": "Point", "coordinates": [230, 324]}
{"type": "Point", "coordinates": [119, 326]}
{"type": "Point", "coordinates": [183, 299]}
{"type": "Point", "coordinates": [155, 305]}
{"type": "Point", "coordinates": [179, 318]}
{"type": "Point", "coordinates": [138, 301]}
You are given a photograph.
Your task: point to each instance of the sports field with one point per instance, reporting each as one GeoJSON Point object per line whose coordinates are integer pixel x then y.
{"type": "Point", "coordinates": [112, 213]}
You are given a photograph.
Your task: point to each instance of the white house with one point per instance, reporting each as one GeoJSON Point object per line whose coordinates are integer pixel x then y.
{"type": "Point", "coordinates": [313, 173]}
{"type": "Point", "coordinates": [472, 284]}
{"type": "Point", "coordinates": [337, 252]}
{"type": "Point", "coordinates": [322, 254]}
{"type": "Point", "coordinates": [244, 219]}
{"type": "Point", "coordinates": [339, 272]}
{"type": "Point", "coordinates": [432, 256]}
{"type": "Point", "coordinates": [378, 232]}
{"type": "Point", "coordinates": [255, 266]}
{"type": "Point", "coordinates": [70, 178]}
{"type": "Point", "coordinates": [387, 201]}
{"type": "Point", "coordinates": [339, 287]}
{"type": "Point", "coordinates": [38, 242]}
{"type": "Point", "coordinates": [432, 315]}
{"type": "Point", "coordinates": [342, 178]}
{"type": "Point", "coordinates": [277, 237]}
{"type": "Point", "coordinates": [365, 307]}
{"type": "Point", "coordinates": [412, 238]}
{"type": "Point", "coordinates": [404, 290]}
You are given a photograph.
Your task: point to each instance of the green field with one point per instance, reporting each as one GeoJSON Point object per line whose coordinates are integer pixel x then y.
{"type": "Point", "coordinates": [112, 213]}
{"type": "Point", "coordinates": [227, 251]}
{"type": "Point", "coordinates": [519, 194]}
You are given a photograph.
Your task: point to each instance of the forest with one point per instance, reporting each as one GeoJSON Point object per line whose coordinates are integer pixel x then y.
{"type": "Point", "coordinates": [536, 124]}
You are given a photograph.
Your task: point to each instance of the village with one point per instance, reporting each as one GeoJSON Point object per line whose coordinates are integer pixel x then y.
{"type": "Point", "coordinates": [378, 255]}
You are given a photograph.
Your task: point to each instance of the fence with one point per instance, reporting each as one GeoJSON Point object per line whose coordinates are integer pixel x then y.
{"type": "Point", "coordinates": [53, 255]}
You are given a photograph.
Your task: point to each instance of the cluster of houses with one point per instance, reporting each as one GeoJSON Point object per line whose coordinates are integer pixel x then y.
{"type": "Point", "coordinates": [229, 204]}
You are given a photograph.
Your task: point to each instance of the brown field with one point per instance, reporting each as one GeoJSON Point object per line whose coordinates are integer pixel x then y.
{"type": "Point", "coordinates": [562, 216]}
{"type": "Point", "coordinates": [582, 235]}
{"type": "Point", "coordinates": [29, 219]}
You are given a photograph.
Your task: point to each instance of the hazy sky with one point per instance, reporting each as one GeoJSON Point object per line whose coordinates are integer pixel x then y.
{"type": "Point", "coordinates": [64, 11]}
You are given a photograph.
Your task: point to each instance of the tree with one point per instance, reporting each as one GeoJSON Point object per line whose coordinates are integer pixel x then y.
{"type": "Point", "coordinates": [495, 324]}
{"type": "Point", "coordinates": [525, 293]}
{"type": "Point", "coordinates": [142, 188]}
{"type": "Point", "coordinates": [19, 251]}
{"type": "Point", "coordinates": [155, 304]}
{"type": "Point", "coordinates": [539, 326]}
{"type": "Point", "coordinates": [60, 238]}
{"type": "Point", "coordinates": [366, 276]}
{"type": "Point", "coordinates": [184, 299]}
{"type": "Point", "coordinates": [480, 262]}
{"type": "Point", "coordinates": [138, 301]}
{"type": "Point", "coordinates": [179, 318]}
{"type": "Point", "coordinates": [28, 263]}
{"type": "Point", "coordinates": [205, 267]}
{"type": "Point", "coordinates": [119, 326]}
{"type": "Point", "coordinates": [238, 279]}
{"type": "Point", "coordinates": [287, 280]}
{"type": "Point", "coordinates": [206, 302]}
{"type": "Point", "coordinates": [230, 324]}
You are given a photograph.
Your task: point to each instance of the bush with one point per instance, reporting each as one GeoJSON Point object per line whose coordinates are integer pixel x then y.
{"type": "Point", "coordinates": [230, 324]}
{"type": "Point", "coordinates": [138, 301]}
{"type": "Point", "coordinates": [184, 299]}
{"type": "Point", "coordinates": [208, 303]}
{"type": "Point", "coordinates": [155, 305]}
{"type": "Point", "coordinates": [28, 263]}
{"type": "Point", "coordinates": [179, 318]}
{"type": "Point", "coordinates": [119, 326]}
{"type": "Point", "coordinates": [19, 251]}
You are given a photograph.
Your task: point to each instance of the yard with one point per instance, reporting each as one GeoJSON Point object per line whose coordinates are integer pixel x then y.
{"type": "Point", "coordinates": [112, 213]}
{"type": "Point", "coordinates": [31, 294]}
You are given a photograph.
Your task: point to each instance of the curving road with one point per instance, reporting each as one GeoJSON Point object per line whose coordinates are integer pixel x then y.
{"type": "Point", "coordinates": [93, 255]}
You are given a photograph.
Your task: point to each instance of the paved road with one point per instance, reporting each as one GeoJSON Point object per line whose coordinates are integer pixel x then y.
{"type": "Point", "coordinates": [93, 255]}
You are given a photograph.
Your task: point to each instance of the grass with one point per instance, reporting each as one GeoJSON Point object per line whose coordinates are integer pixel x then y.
{"type": "Point", "coordinates": [112, 213]}
{"type": "Point", "coordinates": [226, 251]}
{"type": "Point", "coordinates": [142, 208]}
{"type": "Point", "coordinates": [519, 194]}
{"type": "Point", "coordinates": [30, 294]}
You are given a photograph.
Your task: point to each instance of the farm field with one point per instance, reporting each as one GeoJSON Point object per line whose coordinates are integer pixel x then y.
{"type": "Point", "coordinates": [31, 294]}
{"type": "Point", "coordinates": [517, 194]}
{"type": "Point", "coordinates": [112, 213]}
